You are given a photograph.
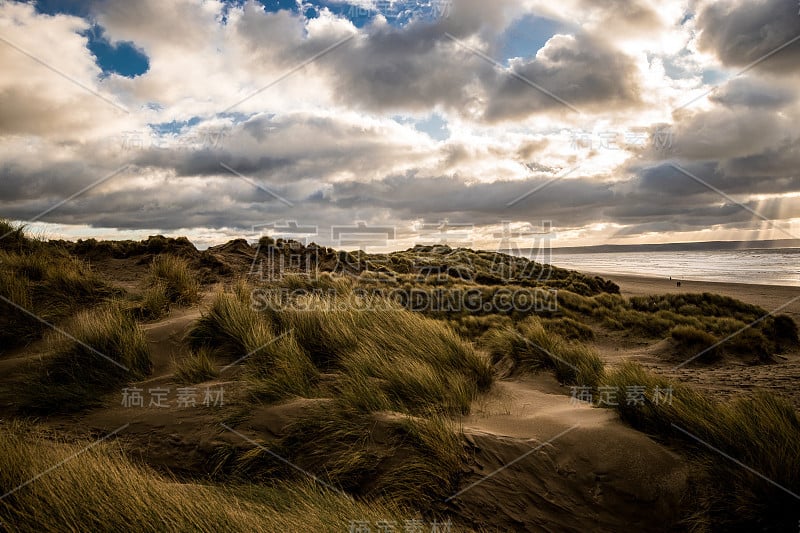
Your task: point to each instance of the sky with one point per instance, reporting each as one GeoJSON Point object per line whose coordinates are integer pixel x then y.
{"type": "Point", "coordinates": [471, 122]}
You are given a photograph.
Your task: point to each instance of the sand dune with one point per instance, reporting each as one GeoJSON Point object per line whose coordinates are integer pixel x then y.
{"type": "Point", "coordinates": [596, 474]}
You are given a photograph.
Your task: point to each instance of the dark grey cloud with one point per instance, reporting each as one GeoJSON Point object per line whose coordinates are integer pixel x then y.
{"type": "Point", "coordinates": [582, 70]}
{"type": "Point", "coordinates": [654, 197]}
{"type": "Point", "coordinates": [748, 92]}
{"type": "Point", "coordinates": [725, 132]}
{"type": "Point", "coordinates": [290, 147]}
{"type": "Point", "coordinates": [741, 32]}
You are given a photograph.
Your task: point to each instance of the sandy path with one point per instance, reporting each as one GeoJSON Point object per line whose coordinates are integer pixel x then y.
{"type": "Point", "coordinates": [166, 338]}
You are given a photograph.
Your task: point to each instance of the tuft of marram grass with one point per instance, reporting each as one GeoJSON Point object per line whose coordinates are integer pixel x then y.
{"type": "Point", "coordinates": [410, 460]}
{"type": "Point", "coordinates": [231, 327]}
{"type": "Point", "coordinates": [275, 365]}
{"type": "Point", "coordinates": [691, 341]}
{"type": "Point", "coordinates": [530, 347]}
{"type": "Point", "coordinates": [175, 276]}
{"type": "Point", "coordinates": [13, 237]}
{"type": "Point", "coordinates": [105, 348]}
{"type": "Point", "coordinates": [280, 370]}
{"type": "Point", "coordinates": [196, 367]}
{"type": "Point", "coordinates": [414, 363]}
{"type": "Point", "coordinates": [154, 302]}
{"type": "Point", "coordinates": [388, 357]}
{"type": "Point", "coordinates": [47, 283]}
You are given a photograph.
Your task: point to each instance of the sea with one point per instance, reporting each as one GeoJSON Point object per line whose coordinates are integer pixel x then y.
{"type": "Point", "coordinates": [780, 266]}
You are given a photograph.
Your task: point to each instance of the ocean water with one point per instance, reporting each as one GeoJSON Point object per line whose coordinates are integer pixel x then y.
{"type": "Point", "coordinates": [768, 267]}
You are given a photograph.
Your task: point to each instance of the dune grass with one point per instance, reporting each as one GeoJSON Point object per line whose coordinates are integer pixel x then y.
{"type": "Point", "coordinates": [691, 341]}
{"type": "Point", "coordinates": [231, 327]}
{"type": "Point", "coordinates": [761, 431]}
{"type": "Point", "coordinates": [690, 320]}
{"type": "Point", "coordinates": [153, 302]}
{"type": "Point", "coordinates": [281, 369]}
{"type": "Point", "coordinates": [389, 358]}
{"type": "Point", "coordinates": [115, 494]}
{"type": "Point", "coordinates": [412, 461]}
{"type": "Point", "coordinates": [173, 276]}
{"type": "Point", "coordinates": [40, 283]}
{"type": "Point", "coordinates": [105, 348]}
{"type": "Point", "coordinates": [11, 235]}
{"type": "Point", "coordinates": [530, 347]}
{"type": "Point", "coordinates": [46, 283]}
{"type": "Point", "coordinates": [196, 367]}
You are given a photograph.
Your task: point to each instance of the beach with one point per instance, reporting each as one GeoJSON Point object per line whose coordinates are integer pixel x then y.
{"type": "Point", "coordinates": [771, 297]}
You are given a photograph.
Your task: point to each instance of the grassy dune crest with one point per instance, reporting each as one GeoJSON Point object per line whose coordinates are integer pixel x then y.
{"type": "Point", "coordinates": [388, 358]}
{"type": "Point", "coordinates": [44, 282]}
{"type": "Point", "coordinates": [530, 347]}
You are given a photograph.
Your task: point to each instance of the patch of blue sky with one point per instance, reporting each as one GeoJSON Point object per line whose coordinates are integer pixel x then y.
{"type": "Point", "coordinates": [433, 125]}
{"type": "Point", "coordinates": [122, 58]}
{"type": "Point", "coordinates": [78, 8]}
{"type": "Point", "coordinates": [175, 126]}
{"type": "Point", "coordinates": [526, 36]}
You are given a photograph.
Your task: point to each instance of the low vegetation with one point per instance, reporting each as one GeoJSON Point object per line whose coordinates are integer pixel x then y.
{"type": "Point", "coordinates": [196, 367]}
{"type": "Point", "coordinates": [530, 347]}
{"type": "Point", "coordinates": [389, 358]}
{"type": "Point", "coordinates": [760, 431]}
{"type": "Point", "coordinates": [231, 327]}
{"type": "Point", "coordinates": [40, 285]}
{"type": "Point", "coordinates": [413, 461]}
{"type": "Point", "coordinates": [172, 275]}
{"type": "Point", "coordinates": [99, 488]}
{"type": "Point", "coordinates": [690, 320]}
{"type": "Point", "coordinates": [153, 302]}
{"type": "Point", "coordinates": [102, 348]}
{"type": "Point", "coordinates": [693, 342]}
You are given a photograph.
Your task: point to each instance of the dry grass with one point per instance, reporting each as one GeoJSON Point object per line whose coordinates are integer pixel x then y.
{"type": "Point", "coordinates": [530, 347]}
{"type": "Point", "coordinates": [106, 348]}
{"type": "Point", "coordinates": [389, 358]}
{"type": "Point", "coordinates": [102, 490]}
{"type": "Point", "coordinates": [45, 282]}
{"type": "Point", "coordinates": [231, 327]}
{"type": "Point", "coordinates": [410, 460]}
{"type": "Point", "coordinates": [154, 302]}
{"type": "Point", "coordinates": [196, 367]}
{"type": "Point", "coordinates": [761, 431]}
{"type": "Point", "coordinates": [173, 275]}
{"type": "Point", "coordinates": [690, 341]}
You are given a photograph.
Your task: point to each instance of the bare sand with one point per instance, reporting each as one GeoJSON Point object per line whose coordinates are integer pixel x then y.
{"type": "Point", "coordinates": [770, 297]}
{"type": "Point", "coordinates": [543, 462]}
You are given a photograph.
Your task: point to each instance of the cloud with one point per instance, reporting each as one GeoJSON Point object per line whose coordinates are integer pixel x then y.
{"type": "Point", "coordinates": [577, 70]}
{"type": "Point", "coordinates": [749, 93]}
{"type": "Point", "coordinates": [340, 136]}
{"type": "Point", "coordinates": [741, 32]}
{"type": "Point", "coordinates": [51, 85]}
